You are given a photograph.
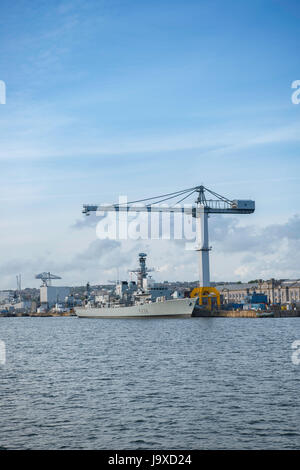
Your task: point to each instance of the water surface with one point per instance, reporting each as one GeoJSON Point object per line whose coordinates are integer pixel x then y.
{"type": "Point", "coordinates": [199, 383]}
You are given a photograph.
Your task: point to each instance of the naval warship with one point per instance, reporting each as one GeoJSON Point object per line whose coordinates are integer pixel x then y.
{"type": "Point", "coordinates": [137, 299]}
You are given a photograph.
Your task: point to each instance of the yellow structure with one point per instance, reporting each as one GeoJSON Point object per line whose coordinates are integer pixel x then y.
{"type": "Point", "coordinates": [206, 293]}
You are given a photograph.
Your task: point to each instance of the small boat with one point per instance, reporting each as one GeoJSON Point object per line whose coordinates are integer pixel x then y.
{"type": "Point", "coordinates": [264, 314]}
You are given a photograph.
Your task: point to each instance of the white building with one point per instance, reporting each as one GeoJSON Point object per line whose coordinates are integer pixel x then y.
{"type": "Point", "coordinates": [50, 295]}
{"type": "Point", "coordinates": [5, 295]}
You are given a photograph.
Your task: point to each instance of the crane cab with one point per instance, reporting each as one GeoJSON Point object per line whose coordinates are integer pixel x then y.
{"type": "Point", "coordinates": [243, 204]}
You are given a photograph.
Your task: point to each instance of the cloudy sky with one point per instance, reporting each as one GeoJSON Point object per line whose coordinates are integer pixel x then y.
{"type": "Point", "coordinates": [138, 98]}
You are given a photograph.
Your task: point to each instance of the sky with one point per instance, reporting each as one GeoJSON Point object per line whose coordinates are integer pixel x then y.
{"type": "Point", "coordinates": [140, 98]}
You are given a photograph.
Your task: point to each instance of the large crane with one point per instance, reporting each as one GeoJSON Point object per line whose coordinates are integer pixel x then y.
{"type": "Point", "coordinates": [207, 202]}
{"type": "Point", "coordinates": [46, 278]}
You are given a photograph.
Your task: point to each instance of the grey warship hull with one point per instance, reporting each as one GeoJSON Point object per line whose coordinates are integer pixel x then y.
{"type": "Point", "coordinates": [177, 308]}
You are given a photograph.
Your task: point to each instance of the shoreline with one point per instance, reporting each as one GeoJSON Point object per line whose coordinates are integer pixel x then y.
{"type": "Point", "coordinates": [196, 314]}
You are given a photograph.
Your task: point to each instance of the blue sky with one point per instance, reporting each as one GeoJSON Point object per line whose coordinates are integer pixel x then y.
{"type": "Point", "coordinates": [143, 98]}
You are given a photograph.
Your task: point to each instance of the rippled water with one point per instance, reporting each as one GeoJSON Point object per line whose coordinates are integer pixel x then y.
{"type": "Point", "coordinates": [197, 383]}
